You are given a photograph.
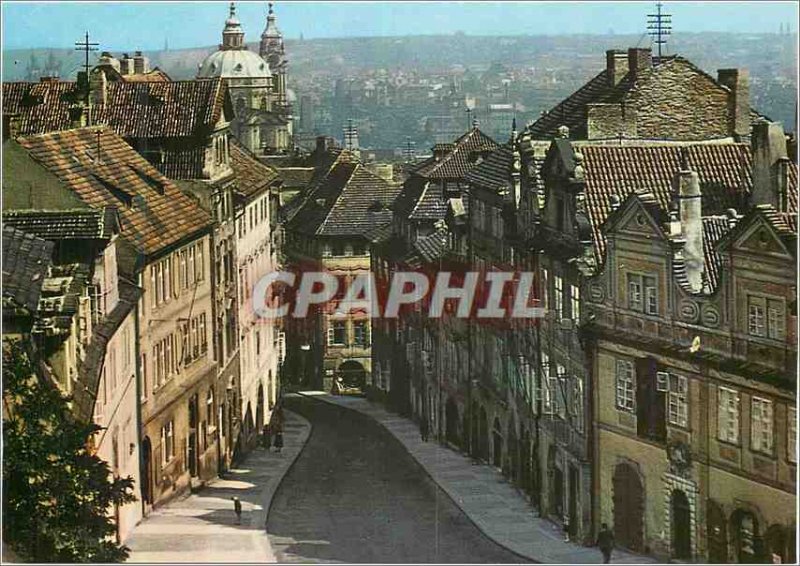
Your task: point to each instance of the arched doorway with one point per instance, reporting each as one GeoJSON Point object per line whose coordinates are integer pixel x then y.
{"type": "Point", "coordinates": [451, 421]}
{"type": "Point", "coordinates": [745, 537]}
{"type": "Point", "coordinates": [628, 508]}
{"type": "Point", "coordinates": [778, 545]}
{"type": "Point", "coordinates": [497, 444]}
{"type": "Point", "coordinates": [353, 374]}
{"type": "Point", "coordinates": [717, 534]}
{"type": "Point", "coordinates": [483, 435]}
{"type": "Point", "coordinates": [681, 525]}
{"type": "Point", "coordinates": [147, 470]}
{"type": "Point", "coordinates": [260, 408]}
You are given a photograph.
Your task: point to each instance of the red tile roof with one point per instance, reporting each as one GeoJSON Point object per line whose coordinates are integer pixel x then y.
{"type": "Point", "coordinates": [252, 176]}
{"type": "Point", "coordinates": [154, 213]}
{"type": "Point", "coordinates": [459, 160]}
{"type": "Point", "coordinates": [132, 109]}
{"type": "Point", "coordinates": [724, 171]}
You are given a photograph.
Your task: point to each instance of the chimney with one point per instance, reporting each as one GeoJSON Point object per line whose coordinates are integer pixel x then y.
{"type": "Point", "coordinates": [686, 186]}
{"type": "Point", "coordinates": [141, 64]}
{"type": "Point", "coordinates": [639, 59]}
{"type": "Point", "coordinates": [126, 65]}
{"type": "Point", "coordinates": [616, 66]}
{"type": "Point", "coordinates": [768, 144]}
{"type": "Point", "coordinates": [738, 82]}
{"type": "Point", "coordinates": [99, 87]}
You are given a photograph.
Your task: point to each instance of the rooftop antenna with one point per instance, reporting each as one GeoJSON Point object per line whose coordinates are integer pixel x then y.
{"type": "Point", "coordinates": [409, 150]}
{"type": "Point", "coordinates": [86, 47]}
{"type": "Point", "coordinates": [469, 116]}
{"type": "Point", "coordinates": [351, 136]}
{"type": "Point", "coordinates": [659, 26]}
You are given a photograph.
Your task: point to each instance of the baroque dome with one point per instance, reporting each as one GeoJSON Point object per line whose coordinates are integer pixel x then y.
{"type": "Point", "coordinates": [234, 64]}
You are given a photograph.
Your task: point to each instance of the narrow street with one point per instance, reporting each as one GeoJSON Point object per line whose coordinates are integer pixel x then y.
{"type": "Point", "coordinates": [355, 495]}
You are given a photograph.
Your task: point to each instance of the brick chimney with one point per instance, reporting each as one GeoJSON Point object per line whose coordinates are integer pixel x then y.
{"type": "Point", "coordinates": [616, 66]}
{"type": "Point", "coordinates": [686, 187]}
{"type": "Point", "coordinates": [141, 64]}
{"type": "Point", "coordinates": [99, 87]}
{"type": "Point", "coordinates": [738, 81]}
{"type": "Point", "coordinates": [126, 65]}
{"type": "Point", "coordinates": [770, 164]}
{"type": "Point", "coordinates": [639, 59]}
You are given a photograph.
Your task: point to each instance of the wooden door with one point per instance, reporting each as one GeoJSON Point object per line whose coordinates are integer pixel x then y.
{"type": "Point", "coordinates": [628, 508]}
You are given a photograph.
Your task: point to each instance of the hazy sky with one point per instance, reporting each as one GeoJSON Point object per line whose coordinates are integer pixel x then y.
{"type": "Point", "coordinates": [146, 25]}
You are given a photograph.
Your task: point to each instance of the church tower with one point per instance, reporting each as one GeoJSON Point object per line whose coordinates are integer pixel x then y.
{"type": "Point", "coordinates": [272, 51]}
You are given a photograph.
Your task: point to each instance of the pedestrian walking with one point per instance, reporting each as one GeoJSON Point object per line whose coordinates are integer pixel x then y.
{"type": "Point", "coordinates": [237, 508]}
{"type": "Point", "coordinates": [423, 429]}
{"type": "Point", "coordinates": [278, 441]}
{"type": "Point", "coordinates": [566, 528]}
{"type": "Point", "coordinates": [605, 541]}
{"type": "Point", "coordinates": [266, 436]}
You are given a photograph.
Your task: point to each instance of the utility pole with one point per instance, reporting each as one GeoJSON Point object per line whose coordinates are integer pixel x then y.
{"type": "Point", "coordinates": [659, 26]}
{"type": "Point", "coordinates": [86, 47]}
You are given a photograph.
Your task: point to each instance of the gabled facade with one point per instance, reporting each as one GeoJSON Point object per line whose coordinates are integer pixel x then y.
{"type": "Point", "coordinates": [695, 390]}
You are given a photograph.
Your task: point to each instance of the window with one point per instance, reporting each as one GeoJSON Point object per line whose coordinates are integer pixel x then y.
{"type": "Point", "coordinates": [642, 293]}
{"type": "Point", "coordinates": [167, 443]}
{"type": "Point", "coordinates": [559, 387]}
{"type": "Point", "coordinates": [625, 386]}
{"type": "Point", "coordinates": [677, 405]}
{"type": "Point", "coordinates": [337, 333]}
{"type": "Point", "coordinates": [211, 409]}
{"type": "Point", "coordinates": [361, 333]}
{"type": "Point", "coordinates": [761, 425]}
{"type": "Point", "coordinates": [728, 415]}
{"type": "Point", "coordinates": [558, 296]}
{"type": "Point", "coordinates": [771, 326]}
{"type": "Point", "coordinates": [575, 296]}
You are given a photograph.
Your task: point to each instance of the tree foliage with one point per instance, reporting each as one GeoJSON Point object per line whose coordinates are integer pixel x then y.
{"type": "Point", "coordinates": [57, 494]}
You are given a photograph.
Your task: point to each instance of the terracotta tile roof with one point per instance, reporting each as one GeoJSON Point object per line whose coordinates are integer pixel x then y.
{"type": "Point", "coordinates": [296, 177]}
{"type": "Point", "coordinates": [350, 201]}
{"type": "Point", "coordinates": [132, 109]}
{"type": "Point", "coordinates": [252, 176]}
{"type": "Point", "coordinates": [421, 197]}
{"type": "Point", "coordinates": [26, 260]}
{"type": "Point", "coordinates": [493, 172]}
{"type": "Point", "coordinates": [154, 213]}
{"type": "Point", "coordinates": [724, 171]}
{"type": "Point", "coordinates": [460, 159]}
{"type": "Point", "coordinates": [79, 224]}
{"type": "Point", "coordinates": [714, 228]}
{"type": "Point", "coordinates": [572, 111]}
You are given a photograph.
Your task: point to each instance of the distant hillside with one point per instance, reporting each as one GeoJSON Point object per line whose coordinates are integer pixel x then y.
{"type": "Point", "coordinates": [770, 58]}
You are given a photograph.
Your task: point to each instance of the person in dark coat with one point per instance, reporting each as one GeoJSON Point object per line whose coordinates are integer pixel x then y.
{"type": "Point", "coordinates": [605, 542]}
{"type": "Point", "coordinates": [423, 429]}
{"type": "Point", "coordinates": [237, 508]}
{"type": "Point", "coordinates": [278, 441]}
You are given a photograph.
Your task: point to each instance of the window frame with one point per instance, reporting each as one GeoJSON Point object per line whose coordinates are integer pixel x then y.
{"type": "Point", "coordinates": [767, 421]}
{"type": "Point", "coordinates": [724, 408]}
{"type": "Point", "coordinates": [678, 401]}
{"type": "Point", "coordinates": [625, 386]}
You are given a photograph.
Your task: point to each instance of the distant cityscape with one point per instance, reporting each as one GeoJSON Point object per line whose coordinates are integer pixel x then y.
{"type": "Point", "coordinates": [424, 90]}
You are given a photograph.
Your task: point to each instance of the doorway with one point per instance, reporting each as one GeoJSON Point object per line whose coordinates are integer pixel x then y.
{"type": "Point", "coordinates": [628, 508]}
{"type": "Point", "coordinates": [681, 525]}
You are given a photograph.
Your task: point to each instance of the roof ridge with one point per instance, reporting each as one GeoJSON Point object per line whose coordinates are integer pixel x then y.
{"type": "Point", "coordinates": [324, 222]}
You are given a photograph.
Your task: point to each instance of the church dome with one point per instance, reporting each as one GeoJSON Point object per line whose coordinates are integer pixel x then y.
{"type": "Point", "coordinates": [234, 64]}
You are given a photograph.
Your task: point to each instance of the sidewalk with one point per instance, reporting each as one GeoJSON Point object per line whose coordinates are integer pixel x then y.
{"type": "Point", "coordinates": [201, 527]}
{"type": "Point", "coordinates": [483, 494]}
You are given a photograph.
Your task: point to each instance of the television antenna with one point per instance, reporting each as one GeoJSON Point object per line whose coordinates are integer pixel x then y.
{"type": "Point", "coordinates": [659, 26]}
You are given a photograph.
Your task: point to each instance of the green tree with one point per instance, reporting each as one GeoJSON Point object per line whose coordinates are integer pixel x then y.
{"type": "Point", "coordinates": [56, 493]}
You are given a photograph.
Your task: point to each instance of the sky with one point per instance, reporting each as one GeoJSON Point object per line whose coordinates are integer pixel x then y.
{"type": "Point", "coordinates": [147, 25]}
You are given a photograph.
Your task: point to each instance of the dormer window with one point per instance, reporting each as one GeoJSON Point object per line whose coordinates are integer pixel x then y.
{"type": "Point", "coordinates": [766, 317]}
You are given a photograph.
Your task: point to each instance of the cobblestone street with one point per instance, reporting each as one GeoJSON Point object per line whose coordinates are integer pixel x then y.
{"type": "Point", "coordinates": [355, 495]}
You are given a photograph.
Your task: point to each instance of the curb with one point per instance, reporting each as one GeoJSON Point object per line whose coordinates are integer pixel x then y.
{"type": "Point", "coordinates": [268, 494]}
{"type": "Point", "coordinates": [525, 559]}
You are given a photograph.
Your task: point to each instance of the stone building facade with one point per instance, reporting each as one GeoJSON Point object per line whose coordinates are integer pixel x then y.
{"type": "Point", "coordinates": [639, 96]}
